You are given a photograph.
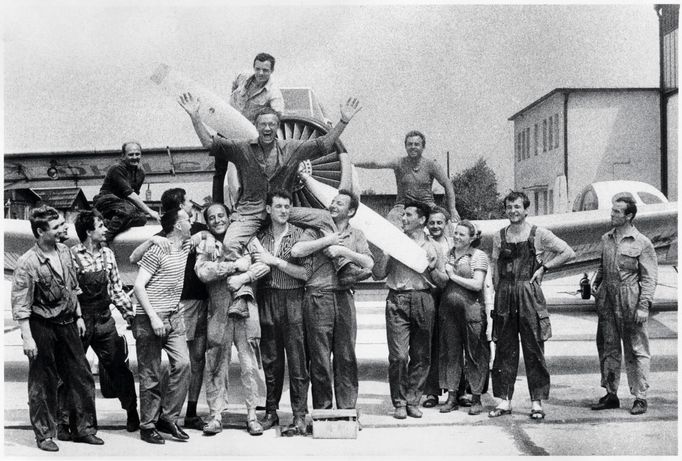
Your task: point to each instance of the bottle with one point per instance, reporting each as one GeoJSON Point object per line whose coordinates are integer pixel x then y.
{"type": "Point", "coordinates": [585, 289]}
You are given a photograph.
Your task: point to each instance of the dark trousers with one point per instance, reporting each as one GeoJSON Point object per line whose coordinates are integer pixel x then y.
{"type": "Point", "coordinates": [101, 334]}
{"type": "Point", "coordinates": [282, 330]}
{"type": "Point", "coordinates": [119, 214]}
{"type": "Point", "coordinates": [331, 329]}
{"type": "Point", "coordinates": [409, 323]}
{"type": "Point", "coordinates": [60, 357]}
{"type": "Point", "coordinates": [149, 346]}
{"type": "Point", "coordinates": [432, 386]}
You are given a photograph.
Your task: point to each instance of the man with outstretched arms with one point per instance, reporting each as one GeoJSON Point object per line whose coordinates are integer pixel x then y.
{"type": "Point", "coordinates": [522, 254]}
{"type": "Point", "coordinates": [265, 164]}
{"type": "Point", "coordinates": [45, 304]}
{"type": "Point", "coordinates": [101, 286]}
{"type": "Point", "coordinates": [119, 198]}
{"type": "Point", "coordinates": [159, 326]}
{"type": "Point", "coordinates": [329, 307]}
{"type": "Point", "coordinates": [251, 92]}
{"type": "Point", "coordinates": [624, 289]}
{"type": "Point", "coordinates": [232, 319]}
{"type": "Point", "coordinates": [280, 307]}
{"type": "Point", "coordinates": [414, 177]}
{"type": "Point", "coordinates": [410, 314]}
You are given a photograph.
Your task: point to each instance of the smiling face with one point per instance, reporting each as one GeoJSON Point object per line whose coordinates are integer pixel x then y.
{"type": "Point", "coordinates": [411, 220]}
{"type": "Point", "coordinates": [462, 237]}
{"type": "Point", "coordinates": [56, 232]}
{"type": "Point", "coordinates": [217, 219]}
{"type": "Point", "coordinates": [280, 210]}
{"type": "Point", "coordinates": [414, 146]}
{"type": "Point", "coordinates": [340, 209]}
{"type": "Point", "coordinates": [436, 225]}
{"type": "Point", "coordinates": [262, 70]}
{"type": "Point", "coordinates": [515, 211]}
{"type": "Point", "coordinates": [267, 125]}
{"type": "Point", "coordinates": [132, 155]}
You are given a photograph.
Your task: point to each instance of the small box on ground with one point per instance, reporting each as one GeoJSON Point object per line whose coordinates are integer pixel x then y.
{"type": "Point", "coordinates": [335, 424]}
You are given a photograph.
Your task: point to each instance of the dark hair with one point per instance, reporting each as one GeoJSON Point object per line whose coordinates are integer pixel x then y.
{"type": "Point", "coordinates": [262, 57]}
{"type": "Point", "coordinates": [40, 218]}
{"type": "Point", "coordinates": [172, 198]}
{"type": "Point", "coordinates": [168, 220]}
{"type": "Point", "coordinates": [281, 193]}
{"type": "Point", "coordinates": [85, 221]}
{"type": "Point", "coordinates": [631, 206]}
{"type": "Point", "coordinates": [123, 147]}
{"type": "Point", "coordinates": [266, 111]}
{"type": "Point", "coordinates": [515, 195]}
{"type": "Point", "coordinates": [354, 200]}
{"type": "Point", "coordinates": [423, 209]}
{"type": "Point", "coordinates": [205, 212]}
{"type": "Point", "coordinates": [416, 133]}
{"type": "Point", "coordinates": [474, 232]}
{"type": "Point", "coordinates": [436, 209]}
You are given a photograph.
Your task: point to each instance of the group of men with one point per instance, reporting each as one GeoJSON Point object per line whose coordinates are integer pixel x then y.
{"type": "Point", "coordinates": [277, 281]}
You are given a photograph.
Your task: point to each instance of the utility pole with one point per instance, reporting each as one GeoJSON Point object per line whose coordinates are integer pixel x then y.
{"type": "Point", "coordinates": [447, 153]}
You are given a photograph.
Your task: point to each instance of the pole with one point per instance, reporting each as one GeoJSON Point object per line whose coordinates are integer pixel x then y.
{"type": "Point", "coordinates": [447, 153]}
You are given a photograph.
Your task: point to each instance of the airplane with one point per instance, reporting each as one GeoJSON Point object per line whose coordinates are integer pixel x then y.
{"type": "Point", "coordinates": [320, 179]}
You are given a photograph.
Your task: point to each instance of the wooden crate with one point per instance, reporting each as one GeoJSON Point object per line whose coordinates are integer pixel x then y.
{"type": "Point", "coordinates": [335, 424]}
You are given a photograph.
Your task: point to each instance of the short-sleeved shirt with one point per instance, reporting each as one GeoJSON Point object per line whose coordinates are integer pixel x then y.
{"type": "Point", "coordinates": [122, 180]}
{"type": "Point", "coordinates": [249, 159]}
{"type": "Point", "coordinates": [473, 260]}
{"type": "Point", "coordinates": [39, 290]}
{"type": "Point", "coordinates": [415, 185]}
{"type": "Point", "coordinates": [547, 245]}
{"type": "Point", "coordinates": [401, 278]}
{"type": "Point", "coordinates": [322, 274]}
{"type": "Point", "coordinates": [269, 95]}
{"type": "Point", "coordinates": [277, 278]}
{"type": "Point", "coordinates": [165, 286]}
{"type": "Point", "coordinates": [192, 287]}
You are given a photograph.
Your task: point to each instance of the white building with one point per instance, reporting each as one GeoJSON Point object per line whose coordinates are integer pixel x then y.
{"type": "Point", "coordinates": [572, 137]}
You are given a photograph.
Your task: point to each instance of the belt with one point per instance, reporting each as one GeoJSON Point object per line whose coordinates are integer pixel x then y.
{"type": "Point", "coordinates": [401, 292]}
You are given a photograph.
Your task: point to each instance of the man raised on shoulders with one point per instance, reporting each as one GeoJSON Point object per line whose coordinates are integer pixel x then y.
{"type": "Point", "coordinates": [251, 92]}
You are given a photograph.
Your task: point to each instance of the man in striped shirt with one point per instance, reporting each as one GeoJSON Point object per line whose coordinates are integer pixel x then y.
{"type": "Point", "coordinates": [159, 325]}
{"type": "Point", "coordinates": [101, 286]}
{"type": "Point", "coordinates": [280, 299]}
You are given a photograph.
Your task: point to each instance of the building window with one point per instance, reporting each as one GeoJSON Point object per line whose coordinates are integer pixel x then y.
{"type": "Point", "coordinates": [528, 142]}
{"type": "Point", "coordinates": [551, 201]}
{"type": "Point", "coordinates": [535, 139]}
{"type": "Point", "coordinates": [537, 202]}
{"type": "Point", "coordinates": [557, 131]}
{"type": "Point", "coordinates": [544, 135]}
{"type": "Point", "coordinates": [550, 133]}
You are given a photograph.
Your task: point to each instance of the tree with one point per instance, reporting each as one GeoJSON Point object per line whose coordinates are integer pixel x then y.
{"type": "Point", "coordinates": [476, 192]}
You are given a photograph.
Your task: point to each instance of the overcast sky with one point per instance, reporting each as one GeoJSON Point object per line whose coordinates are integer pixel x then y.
{"type": "Point", "coordinates": [76, 73]}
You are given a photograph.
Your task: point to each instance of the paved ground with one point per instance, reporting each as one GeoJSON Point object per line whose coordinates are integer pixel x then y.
{"type": "Point", "coordinates": [569, 429]}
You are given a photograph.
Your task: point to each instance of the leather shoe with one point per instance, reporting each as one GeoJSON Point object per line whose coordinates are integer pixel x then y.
{"type": "Point", "coordinates": [430, 401]}
{"type": "Point", "coordinates": [607, 402]}
{"type": "Point", "coordinates": [152, 436]}
{"type": "Point", "coordinates": [639, 407]}
{"type": "Point", "coordinates": [133, 421]}
{"type": "Point", "coordinates": [171, 428]}
{"type": "Point", "coordinates": [413, 411]}
{"type": "Point", "coordinates": [271, 419]}
{"type": "Point", "coordinates": [90, 439]}
{"type": "Point", "coordinates": [194, 422]}
{"type": "Point", "coordinates": [400, 413]}
{"type": "Point", "coordinates": [450, 404]}
{"type": "Point", "coordinates": [254, 427]}
{"type": "Point", "coordinates": [63, 433]}
{"type": "Point", "coordinates": [47, 445]}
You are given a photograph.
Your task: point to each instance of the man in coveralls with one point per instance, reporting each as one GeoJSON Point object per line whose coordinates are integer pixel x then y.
{"type": "Point", "coordinates": [522, 254]}
{"type": "Point", "coordinates": [101, 286]}
{"type": "Point", "coordinates": [624, 290]}
{"type": "Point", "coordinates": [45, 304]}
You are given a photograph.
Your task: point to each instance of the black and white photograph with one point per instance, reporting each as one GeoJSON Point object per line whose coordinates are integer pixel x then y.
{"type": "Point", "coordinates": [319, 228]}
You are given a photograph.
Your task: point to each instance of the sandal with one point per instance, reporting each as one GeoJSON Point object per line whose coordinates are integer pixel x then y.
{"type": "Point", "coordinates": [430, 401]}
{"type": "Point", "coordinates": [254, 427]}
{"type": "Point", "coordinates": [497, 412]}
{"type": "Point", "coordinates": [537, 415]}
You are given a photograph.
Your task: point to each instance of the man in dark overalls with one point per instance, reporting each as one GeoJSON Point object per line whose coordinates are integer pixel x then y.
{"type": "Point", "coordinates": [522, 254]}
{"type": "Point", "coordinates": [101, 286]}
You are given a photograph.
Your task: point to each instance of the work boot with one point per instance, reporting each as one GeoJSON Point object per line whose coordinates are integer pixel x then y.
{"type": "Point", "coordinates": [413, 411]}
{"type": "Point", "coordinates": [450, 404]}
{"type": "Point", "coordinates": [194, 422]}
{"type": "Point", "coordinates": [63, 433]}
{"type": "Point", "coordinates": [639, 407]}
{"type": "Point", "coordinates": [47, 445]}
{"type": "Point", "coordinates": [400, 413]}
{"type": "Point", "coordinates": [271, 419]}
{"type": "Point", "coordinates": [133, 421]}
{"type": "Point", "coordinates": [476, 408]}
{"type": "Point", "coordinates": [607, 402]}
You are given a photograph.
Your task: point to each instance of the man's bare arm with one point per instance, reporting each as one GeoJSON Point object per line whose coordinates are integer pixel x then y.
{"type": "Point", "coordinates": [137, 201]}
{"type": "Point", "coordinates": [442, 178]}
{"type": "Point", "coordinates": [191, 106]}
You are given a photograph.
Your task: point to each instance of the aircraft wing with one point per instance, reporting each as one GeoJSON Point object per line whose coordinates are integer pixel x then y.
{"type": "Point", "coordinates": [583, 230]}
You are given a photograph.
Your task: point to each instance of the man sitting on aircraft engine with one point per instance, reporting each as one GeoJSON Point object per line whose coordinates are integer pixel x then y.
{"type": "Point", "coordinates": [266, 164]}
{"type": "Point", "coordinates": [119, 197]}
{"type": "Point", "coordinates": [253, 92]}
{"type": "Point", "coordinates": [414, 177]}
